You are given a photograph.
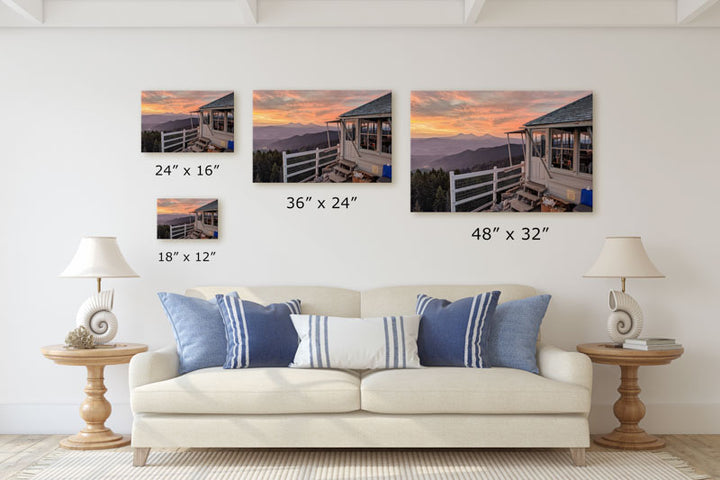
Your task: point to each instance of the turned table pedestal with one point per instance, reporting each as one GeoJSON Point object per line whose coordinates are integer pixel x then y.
{"type": "Point", "coordinates": [629, 410]}
{"type": "Point", "coordinates": [95, 409]}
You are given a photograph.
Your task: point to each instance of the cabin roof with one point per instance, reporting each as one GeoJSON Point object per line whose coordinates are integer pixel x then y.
{"type": "Point", "coordinates": [228, 101]}
{"type": "Point", "coordinates": [379, 106]}
{"type": "Point", "coordinates": [209, 207]}
{"type": "Point", "coordinates": [580, 110]}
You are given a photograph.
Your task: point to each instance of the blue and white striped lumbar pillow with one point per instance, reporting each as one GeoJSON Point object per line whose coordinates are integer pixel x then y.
{"type": "Point", "coordinates": [356, 343]}
{"type": "Point", "coordinates": [455, 333]}
{"type": "Point", "coordinates": [257, 335]}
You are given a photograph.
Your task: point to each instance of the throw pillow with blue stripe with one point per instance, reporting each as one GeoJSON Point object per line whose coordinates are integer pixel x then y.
{"type": "Point", "coordinates": [356, 343]}
{"type": "Point", "coordinates": [455, 334]}
{"type": "Point", "coordinates": [257, 335]}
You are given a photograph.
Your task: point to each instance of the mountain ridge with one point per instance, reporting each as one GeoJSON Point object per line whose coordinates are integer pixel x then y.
{"type": "Point", "coordinates": [436, 147]}
{"type": "Point", "coordinates": [474, 160]}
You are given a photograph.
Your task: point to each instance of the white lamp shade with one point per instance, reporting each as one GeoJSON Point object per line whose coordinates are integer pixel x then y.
{"type": "Point", "coordinates": [623, 257]}
{"type": "Point", "coordinates": [98, 257]}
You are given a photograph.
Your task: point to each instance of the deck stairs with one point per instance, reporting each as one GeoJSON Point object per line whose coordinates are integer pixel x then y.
{"type": "Point", "coordinates": [527, 197]}
{"type": "Point", "coordinates": [342, 171]}
{"type": "Point", "coordinates": [194, 235]}
{"type": "Point", "coordinates": [200, 145]}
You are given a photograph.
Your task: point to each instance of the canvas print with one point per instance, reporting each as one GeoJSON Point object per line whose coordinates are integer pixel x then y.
{"type": "Point", "coordinates": [188, 121]}
{"type": "Point", "coordinates": [187, 218]}
{"type": "Point", "coordinates": [502, 151]}
{"type": "Point", "coordinates": [331, 136]}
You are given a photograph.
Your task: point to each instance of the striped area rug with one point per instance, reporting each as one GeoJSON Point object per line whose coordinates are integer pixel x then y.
{"type": "Point", "coordinates": [357, 464]}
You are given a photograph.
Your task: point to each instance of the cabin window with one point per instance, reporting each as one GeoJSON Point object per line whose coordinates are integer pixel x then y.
{"type": "Point", "coordinates": [350, 131]}
{"type": "Point", "coordinates": [563, 149]}
{"type": "Point", "coordinates": [368, 134]}
{"type": "Point", "coordinates": [386, 135]}
{"type": "Point", "coordinates": [210, 218]}
{"type": "Point", "coordinates": [585, 153]}
{"type": "Point", "coordinates": [218, 121]}
{"type": "Point", "coordinates": [206, 118]}
{"type": "Point", "coordinates": [539, 145]}
{"type": "Point", "coordinates": [231, 121]}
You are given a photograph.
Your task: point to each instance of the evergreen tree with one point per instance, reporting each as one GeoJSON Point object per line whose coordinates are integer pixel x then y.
{"type": "Point", "coordinates": [441, 200]}
{"type": "Point", "coordinates": [424, 188]}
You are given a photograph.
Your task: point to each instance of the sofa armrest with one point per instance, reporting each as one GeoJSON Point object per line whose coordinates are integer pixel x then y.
{"type": "Point", "coordinates": [151, 367]}
{"type": "Point", "coordinates": [569, 367]}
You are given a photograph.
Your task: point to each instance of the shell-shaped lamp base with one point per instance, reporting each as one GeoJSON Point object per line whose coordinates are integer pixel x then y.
{"type": "Point", "coordinates": [626, 319]}
{"type": "Point", "coordinates": [96, 315]}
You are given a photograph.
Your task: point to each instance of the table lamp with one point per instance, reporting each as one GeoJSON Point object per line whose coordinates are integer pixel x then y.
{"type": "Point", "coordinates": [623, 258]}
{"type": "Point", "coordinates": [98, 257]}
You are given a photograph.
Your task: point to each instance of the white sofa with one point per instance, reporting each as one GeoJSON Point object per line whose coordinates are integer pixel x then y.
{"type": "Point", "coordinates": [434, 407]}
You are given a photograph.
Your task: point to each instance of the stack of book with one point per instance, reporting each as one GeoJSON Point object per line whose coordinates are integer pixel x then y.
{"type": "Point", "coordinates": [651, 344]}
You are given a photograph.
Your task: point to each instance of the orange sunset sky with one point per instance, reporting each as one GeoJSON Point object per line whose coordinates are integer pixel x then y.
{"type": "Point", "coordinates": [177, 101]}
{"type": "Point", "coordinates": [448, 113]}
{"type": "Point", "coordinates": [180, 205]}
{"type": "Point", "coordinates": [280, 107]}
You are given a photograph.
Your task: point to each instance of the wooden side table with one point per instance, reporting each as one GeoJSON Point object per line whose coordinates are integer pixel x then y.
{"type": "Point", "coordinates": [95, 409]}
{"type": "Point", "coordinates": [629, 410]}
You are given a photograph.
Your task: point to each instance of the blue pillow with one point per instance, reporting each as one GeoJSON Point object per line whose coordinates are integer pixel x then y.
{"type": "Point", "coordinates": [455, 334]}
{"type": "Point", "coordinates": [258, 336]}
{"type": "Point", "coordinates": [514, 332]}
{"type": "Point", "coordinates": [199, 331]}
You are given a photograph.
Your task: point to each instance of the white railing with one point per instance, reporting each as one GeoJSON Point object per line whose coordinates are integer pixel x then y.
{"type": "Point", "coordinates": [502, 179]}
{"type": "Point", "coordinates": [320, 158]}
{"type": "Point", "coordinates": [181, 231]}
{"type": "Point", "coordinates": [178, 140]}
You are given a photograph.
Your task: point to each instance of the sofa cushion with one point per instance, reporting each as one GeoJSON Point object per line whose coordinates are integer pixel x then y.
{"type": "Point", "coordinates": [357, 343]}
{"type": "Point", "coordinates": [252, 391]}
{"type": "Point", "coordinates": [340, 302]}
{"type": "Point", "coordinates": [402, 300]}
{"type": "Point", "coordinates": [469, 390]}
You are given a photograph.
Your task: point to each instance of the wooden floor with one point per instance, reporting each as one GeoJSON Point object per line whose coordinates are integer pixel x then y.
{"type": "Point", "coordinates": [20, 451]}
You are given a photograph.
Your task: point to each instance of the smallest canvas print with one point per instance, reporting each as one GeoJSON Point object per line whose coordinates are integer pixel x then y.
{"type": "Point", "coordinates": [187, 218]}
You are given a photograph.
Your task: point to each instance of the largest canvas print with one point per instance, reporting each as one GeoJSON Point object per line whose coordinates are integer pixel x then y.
{"type": "Point", "coordinates": [322, 136]}
{"type": "Point", "coordinates": [502, 151]}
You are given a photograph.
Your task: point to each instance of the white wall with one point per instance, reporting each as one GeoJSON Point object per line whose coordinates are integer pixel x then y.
{"type": "Point", "coordinates": [70, 166]}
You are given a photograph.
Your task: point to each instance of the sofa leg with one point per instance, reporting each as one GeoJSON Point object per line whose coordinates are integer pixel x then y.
{"type": "Point", "coordinates": [578, 456]}
{"type": "Point", "coordinates": [140, 456]}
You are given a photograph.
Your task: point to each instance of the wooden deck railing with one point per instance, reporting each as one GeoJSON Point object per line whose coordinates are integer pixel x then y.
{"type": "Point", "coordinates": [178, 140]}
{"type": "Point", "coordinates": [469, 187]}
{"type": "Point", "coordinates": [181, 231]}
{"type": "Point", "coordinates": [308, 162]}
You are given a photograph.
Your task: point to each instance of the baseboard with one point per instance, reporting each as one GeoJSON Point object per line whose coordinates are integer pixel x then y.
{"type": "Point", "coordinates": [38, 418]}
{"type": "Point", "coordinates": [64, 418]}
{"type": "Point", "coordinates": [668, 418]}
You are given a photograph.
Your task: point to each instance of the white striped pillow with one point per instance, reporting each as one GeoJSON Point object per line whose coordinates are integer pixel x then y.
{"type": "Point", "coordinates": [356, 343]}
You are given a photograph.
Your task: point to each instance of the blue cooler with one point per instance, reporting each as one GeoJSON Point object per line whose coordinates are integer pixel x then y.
{"type": "Point", "coordinates": [586, 197]}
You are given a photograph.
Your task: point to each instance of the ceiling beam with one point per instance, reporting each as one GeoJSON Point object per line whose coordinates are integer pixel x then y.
{"type": "Point", "coordinates": [147, 13]}
{"type": "Point", "coordinates": [360, 13]}
{"type": "Point", "coordinates": [472, 10]}
{"type": "Point", "coordinates": [689, 10]}
{"type": "Point", "coordinates": [578, 13]}
{"type": "Point", "coordinates": [30, 9]}
{"type": "Point", "coordinates": [250, 9]}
